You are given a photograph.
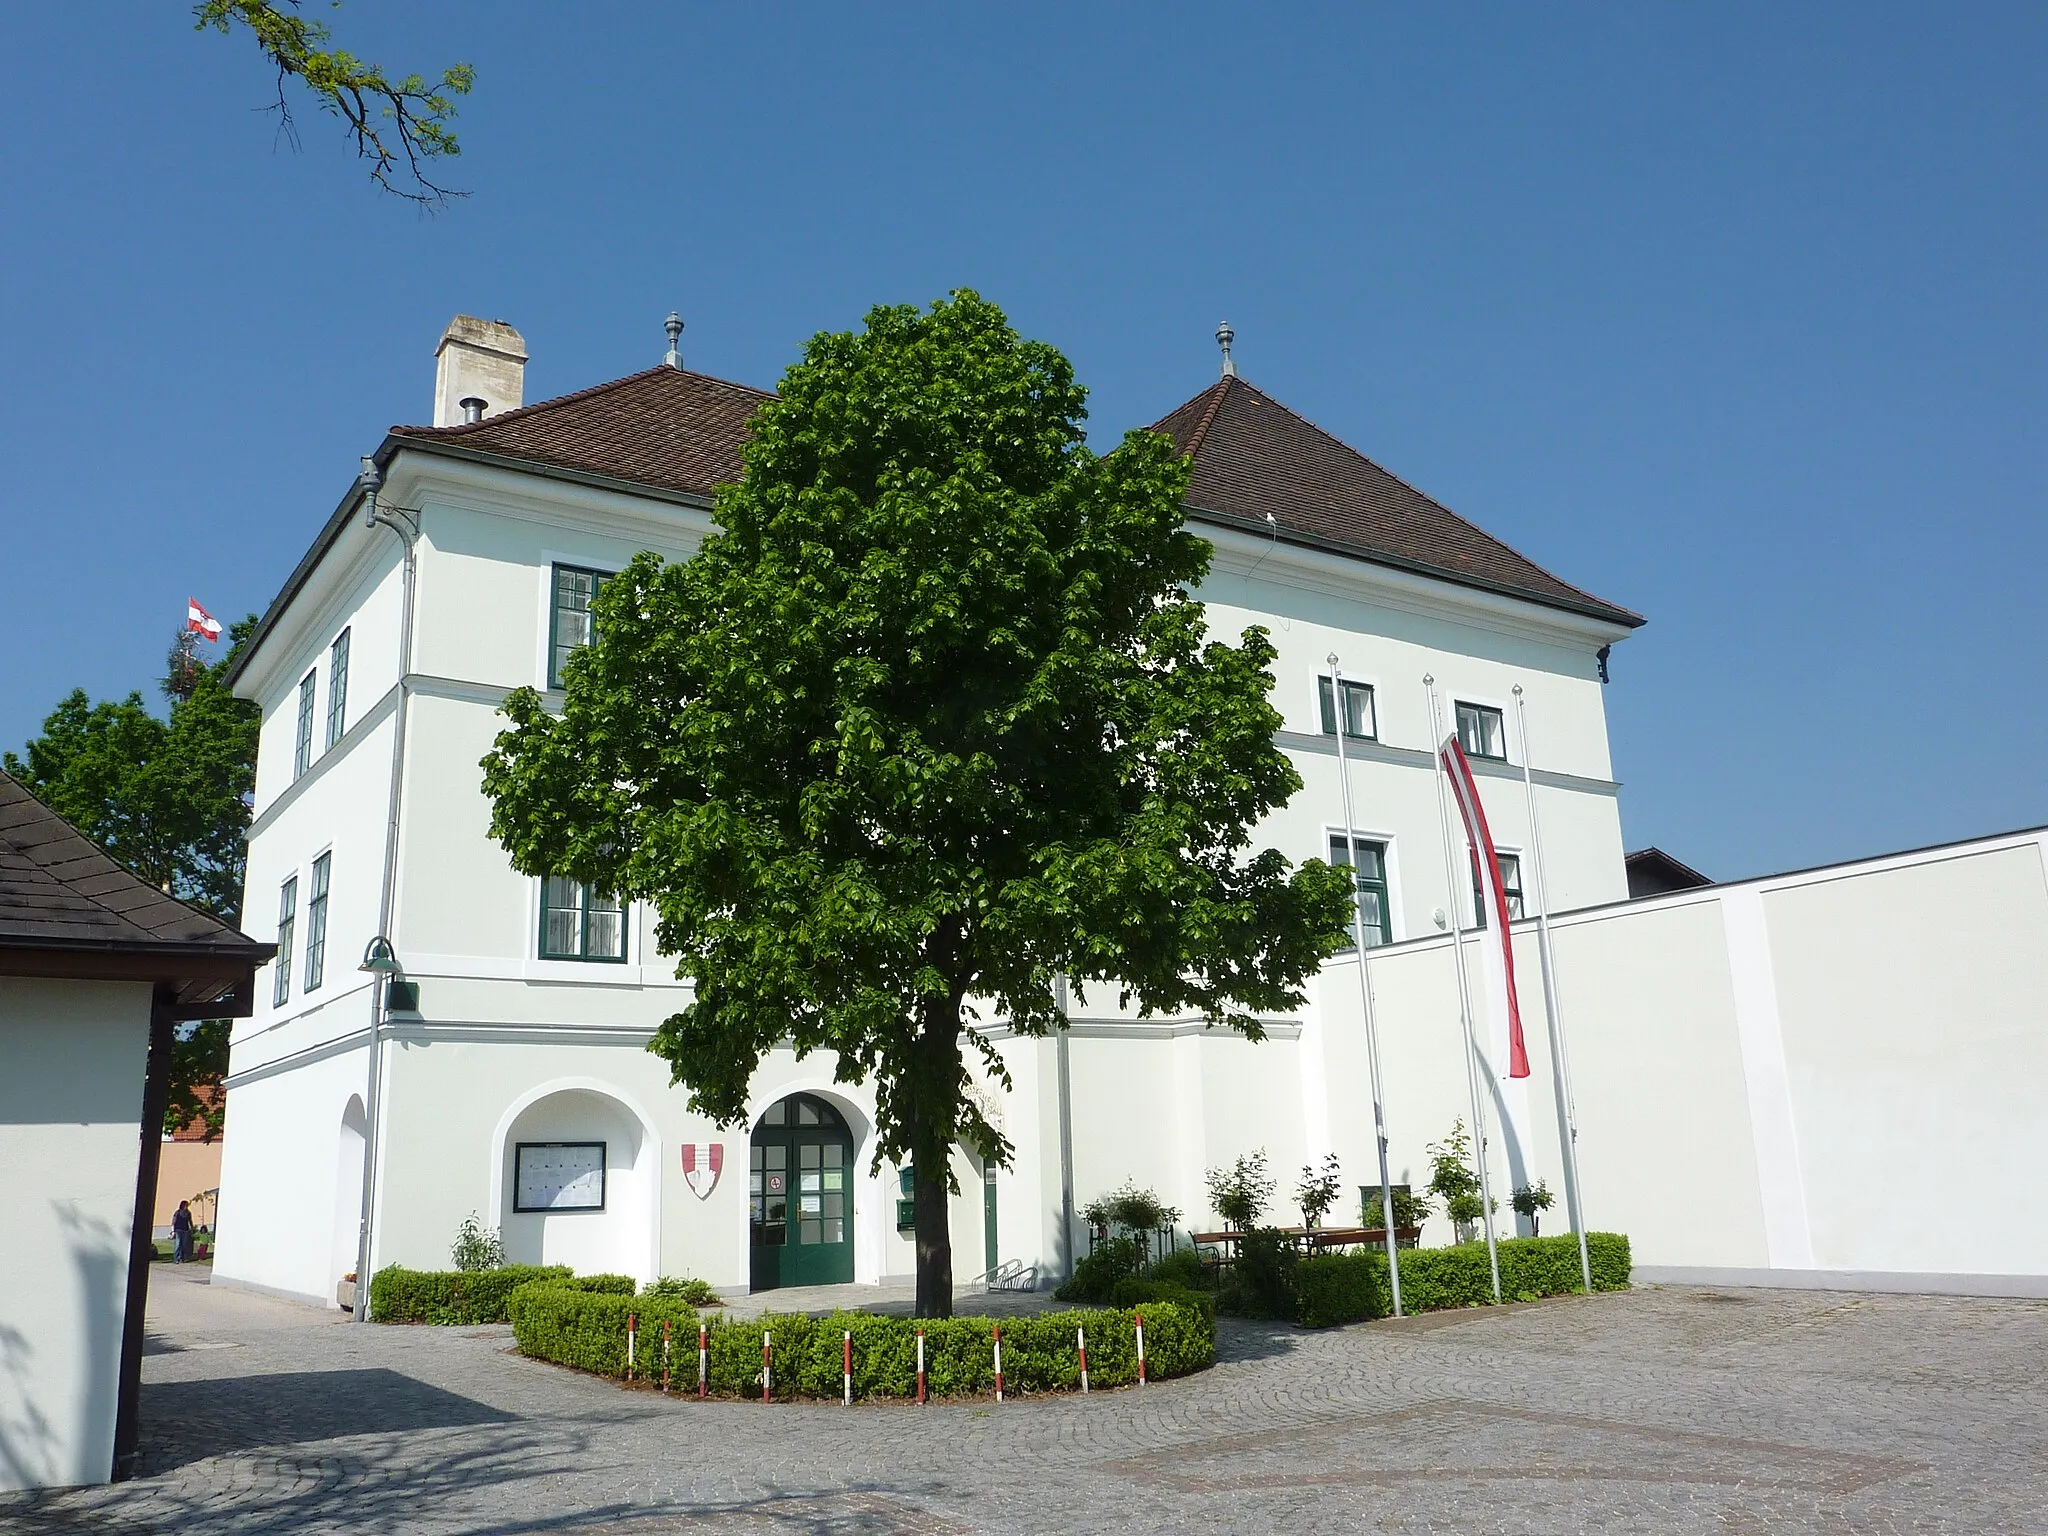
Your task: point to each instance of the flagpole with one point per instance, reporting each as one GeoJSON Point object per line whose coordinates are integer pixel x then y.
{"type": "Point", "coordinates": [1464, 989]}
{"type": "Point", "coordinates": [1372, 1036]}
{"type": "Point", "coordinates": [1553, 1010]}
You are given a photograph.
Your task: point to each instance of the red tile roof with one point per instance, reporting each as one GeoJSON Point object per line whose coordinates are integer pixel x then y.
{"type": "Point", "coordinates": [1252, 455]}
{"type": "Point", "coordinates": [680, 431]}
{"type": "Point", "coordinates": [667, 428]}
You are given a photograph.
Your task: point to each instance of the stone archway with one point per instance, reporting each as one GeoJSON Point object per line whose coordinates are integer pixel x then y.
{"type": "Point", "coordinates": [800, 1179]}
{"type": "Point", "coordinates": [351, 1140]}
{"type": "Point", "coordinates": [576, 1182]}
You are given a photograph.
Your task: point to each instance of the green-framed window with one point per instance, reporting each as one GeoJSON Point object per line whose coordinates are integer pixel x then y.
{"type": "Point", "coordinates": [1510, 886]}
{"type": "Point", "coordinates": [316, 923]}
{"type": "Point", "coordinates": [302, 747]}
{"type": "Point", "coordinates": [569, 622]}
{"type": "Point", "coordinates": [1361, 717]}
{"type": "Point", "coordinates": [579, 923]}
{"type": "Point", "coordinates": [1368, 862]}
{"type": "Point", "coordinates": [1482, 732]}
{"type": "Point", "coordinates": [287, 924]}
{"type": "Point", "coordinates": [337, 688]}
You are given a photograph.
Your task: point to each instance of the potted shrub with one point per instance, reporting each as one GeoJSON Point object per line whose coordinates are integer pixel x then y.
{"type": "Point", "coordinates": [1241, 1191]}
{"type": "Point", "coordinates": [1410, 1211]}
{"type": "Point", "coordinates": [1317, 1191]}
{"type": "Point", "coordinates": [1531, 1199]}
{"type": "Point", "coordinates": [1452, 1180]}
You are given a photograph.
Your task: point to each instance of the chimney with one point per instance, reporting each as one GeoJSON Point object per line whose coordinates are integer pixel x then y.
{"type": "Point", "coordinates": [479, 370]}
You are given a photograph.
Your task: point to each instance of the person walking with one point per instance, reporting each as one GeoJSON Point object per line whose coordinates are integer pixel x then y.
{"type": "Point", "coordinates": [181, 1232]}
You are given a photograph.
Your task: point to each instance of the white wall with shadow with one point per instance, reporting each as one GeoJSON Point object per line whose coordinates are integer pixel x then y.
{"type": "Point", "coordinates": [619, 1237]}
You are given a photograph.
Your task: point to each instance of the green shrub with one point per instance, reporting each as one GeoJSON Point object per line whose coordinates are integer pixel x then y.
{"type": "Point", "coordinates": [1137, 1291]}
{"type": "Point", "coordinates": [606, 1285]}
{"type": "Point", "coordinates": [1262, 1281]}
{"type": "Point", "coordinates": [1096, 1275]}
{"type": "Point", "coordinates": [1184, 1266]}
{"type": "Point", "coordinates": [553, 1321]}
{"type": "Point", "coordinates": [698, 1293]}
{"type": "Point", "coordinates": [1353, 1287]}
{"type": "Point", "coordinates": [401, 1295]}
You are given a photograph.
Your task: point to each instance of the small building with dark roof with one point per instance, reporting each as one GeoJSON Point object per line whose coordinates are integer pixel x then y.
{"type": "Point", "coordinates": [97, 970]}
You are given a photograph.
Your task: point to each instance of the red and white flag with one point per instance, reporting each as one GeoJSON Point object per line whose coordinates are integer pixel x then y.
{"type": "Point", "coordinates": [1500, 953]}
{"type": "Point", "coordinates": [199, 621]}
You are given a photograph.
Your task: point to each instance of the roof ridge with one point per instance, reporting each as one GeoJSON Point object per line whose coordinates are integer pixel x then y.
{"type": "Point", "coordinates": [1217, 392]}
{"type": "Point", "coordinates": [1448, 511]}
{"type": "Point", "coordinates": [588, 392]}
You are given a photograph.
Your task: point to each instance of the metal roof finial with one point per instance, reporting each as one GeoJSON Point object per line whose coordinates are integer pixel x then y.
{"type": "Point", "coordinates": [674, 326]}
{"type": "Point", "coordinates": [1224, 337]}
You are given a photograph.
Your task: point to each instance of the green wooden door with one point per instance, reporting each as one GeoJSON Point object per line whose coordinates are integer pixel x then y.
{"type": "Point", "coordinates": [800, 1184]}
{"type": "Point", "coordinates": [988, 1217]}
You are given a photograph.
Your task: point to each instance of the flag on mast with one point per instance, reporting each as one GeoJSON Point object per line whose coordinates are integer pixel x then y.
{"type": "Point", "coordinates": [1499, 956]}
{"type": "Point", "coordinates": [199, 621]}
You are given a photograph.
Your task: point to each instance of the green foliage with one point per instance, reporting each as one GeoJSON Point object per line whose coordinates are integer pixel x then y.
{"type": "Point", "coordinates": [405, 119]}
{"type": "Point", "coordinates": [1184, 1267]}
{"type": "Point", "coordinates": [1096, 1275]}
{"type": "Point", "coordinates": [1452, 1179]}
{"type": "Point", "coordinates": [1137, 1292]}
{"type": "Point", "coordinates": [692, 1292]}
{"type": "Point", "coordinates": [1531, 1199]}
{"type": "Point", "coordinates": [1317, 1191]}
{"type": "Point", "coordinates": [1240, 1192]}
{"type": "Point", "coordinates": [476, 1246]}
{"type": "Point", "coordinates": [1410, 1209]}
{"type": "Point", "coordinates": [1353, 1287]}
{"type": "Point", "coordinates": [1262, 1281]}
{"type": "Point", "coordinates": [932, 716]}
{"type": "Point", "coordinates": [400, 1295]}
{"type": "Point", "coordinates": [555, 1322]}
{"type": "Point", "coordinates": [1132, 1208]}
{"type": "Point", "coordinates": [163, 795]}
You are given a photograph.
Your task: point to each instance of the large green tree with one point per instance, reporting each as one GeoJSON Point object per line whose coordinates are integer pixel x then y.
{"type": "Point", "coordinates": [932, 721]}
{"type": "Point", "coordinates": [168, 796]}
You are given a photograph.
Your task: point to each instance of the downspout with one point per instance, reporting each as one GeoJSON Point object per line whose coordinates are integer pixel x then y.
{"type": "Point", "coordinates": [156, 1097]}
{"type": "Point", "coordinates": [1066, 1095]}
{"type": "Point", "coordinates": [405, 524]}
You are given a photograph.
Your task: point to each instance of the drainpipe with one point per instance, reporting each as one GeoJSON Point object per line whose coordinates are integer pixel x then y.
{"type": "Point", "coordinates": [1066, 1091]}
{"type": "Point", "coordinates": [404, 523]}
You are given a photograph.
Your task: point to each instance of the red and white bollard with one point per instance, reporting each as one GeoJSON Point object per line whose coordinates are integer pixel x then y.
{"type": "Point", "coordinates": [846, 1367]}
{"type": "Point", "coordinates": [703, 1361]}
{"type": "Point", "coordinates": [920, 1365]}
{"type": "Point", "coordinates": [1081, 1344]}
{"type": "Point", "coordinates": [665, 1332]}
{"type": "Point", "coordinates": [999, 1362]}
{"type": "Point", "coordinates": [632, 1328]}
{"type": "Point", "coordinates": [1139, 1317]}
{"type": "Point", "coordinates": [767, 1364]}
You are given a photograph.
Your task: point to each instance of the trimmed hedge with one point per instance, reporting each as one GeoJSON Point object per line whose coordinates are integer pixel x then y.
{"type": "Point", "coordinates": [469, 1296]}
{"type": "Point", "coordinates": [554, 1322]}
{"type": "Point", "coordinates": [1353, 1288]}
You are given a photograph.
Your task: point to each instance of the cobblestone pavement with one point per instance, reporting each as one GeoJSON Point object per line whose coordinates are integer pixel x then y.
{"type": "Point", "coordinates": [1674, 1409]}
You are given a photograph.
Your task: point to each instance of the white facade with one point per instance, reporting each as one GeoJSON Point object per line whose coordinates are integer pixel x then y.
{"type": "Point", "coordinates": [508, 1047]}
{"type": "Point", "coordinates": [70, 1108]}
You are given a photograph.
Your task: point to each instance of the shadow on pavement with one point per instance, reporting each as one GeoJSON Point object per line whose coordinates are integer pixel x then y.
{"type": "Point", "coordinates": [185, 1421]}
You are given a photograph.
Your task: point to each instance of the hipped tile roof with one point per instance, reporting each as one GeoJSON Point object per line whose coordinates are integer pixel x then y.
{"type": "Point", "coordinates": [1252, 455]}
{"type": "Point", "coordinates": [59, 892]}
{"type": "Point", "coordinates": [667, 427]}
{"type": "Point", "coordinates": [679, 431]}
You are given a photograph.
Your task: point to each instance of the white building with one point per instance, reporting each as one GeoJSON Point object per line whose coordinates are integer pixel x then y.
{"type": "Point", "coordinates": [520, 1079]}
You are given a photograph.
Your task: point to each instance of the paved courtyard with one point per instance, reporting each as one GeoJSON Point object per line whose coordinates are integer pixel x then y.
{"type": "Point", "coordinates": [1673, 1409]}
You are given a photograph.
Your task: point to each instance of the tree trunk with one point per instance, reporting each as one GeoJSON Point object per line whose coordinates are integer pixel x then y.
{"type": "Point", "coordinates": [935, 1112]}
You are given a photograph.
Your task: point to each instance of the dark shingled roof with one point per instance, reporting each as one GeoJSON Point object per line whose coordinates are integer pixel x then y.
{"type": "Point", "coordinates": [67, 909]}
{"type": "Point", "coordinates": [1252, 455]}
{"type": "Point", "coordinates": [667, 427]}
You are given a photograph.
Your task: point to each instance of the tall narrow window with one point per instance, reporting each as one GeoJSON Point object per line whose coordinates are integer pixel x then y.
{"type": "Point", "coordinates": [1368, 861]}
{"type": "Point", "coordinates": [287, 921]}
{"type": "Point", "coordinates": [1481, 732]}
{"type": "Point", "coordinates": [578, 923]}
{"type": "Point", "coordinates": [1510, 886]}
{"type": "Point", "coordinates": [1360, 718]}
{"type": "Point", "coordinates": [302, 752]}
{"type": "Point", "coordinates": [337, 688]}
{"type": "Point", "coordinates": [570, 627]}
{"type": "Point", "coordinates": [316, 924]}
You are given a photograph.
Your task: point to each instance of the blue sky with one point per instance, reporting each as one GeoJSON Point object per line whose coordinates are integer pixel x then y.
{"type": "Point", "coordinates": [1733, 314]}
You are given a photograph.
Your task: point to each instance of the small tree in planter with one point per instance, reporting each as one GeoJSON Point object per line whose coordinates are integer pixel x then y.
{"type": "Point", "coordinates": [477, 1246]}
{"type": "Point", "coordinates": [1140, 1213]}
{"type": "Point", "coordinates": [1452, 1180]}
{"type": "Point", "coordinates": [1528, 1200]}
{"type": "Point", "coordinates": [1410, 1212]}
{"type": "Point", "coordinates": [1317, 1191]}
{"type": "Point", "coordinates": [1241, 1192]}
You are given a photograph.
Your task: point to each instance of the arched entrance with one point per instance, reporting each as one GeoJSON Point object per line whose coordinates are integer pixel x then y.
{"type": "Point", "coordinates": [800, 1187]}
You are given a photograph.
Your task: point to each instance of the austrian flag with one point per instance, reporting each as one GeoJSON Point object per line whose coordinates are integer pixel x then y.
{"type": "Point", "coordinates": [1499, 960]}
{"type": "Point", "coordinates": [199, 621]}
